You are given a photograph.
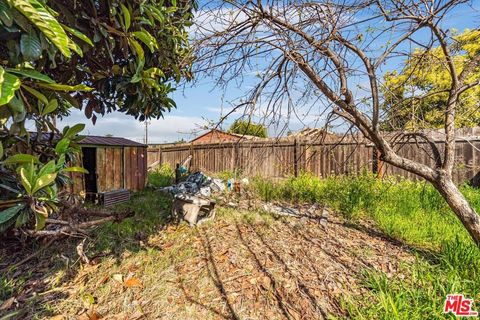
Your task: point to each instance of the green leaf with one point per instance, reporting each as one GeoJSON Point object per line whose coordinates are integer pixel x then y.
{"type": "Point", "coordinates": [40, 220]}
{"type": "Point", "coordinates": [18, 109]}
{"type": "Point", "coordinates": [62, 146]}
{"type": "Point", "coordinates": [61, 161]}
{"type": "Point", "coordinates": [138, 49]}
{"type": "Point", "coordinates": [8, 85]}
{"type": "Point", "coordinates": [22, 218]}
{"type": "Point", "coordinates": [48, 168]}
{"type": "Point", "coordinates": [51, 106]}
{"type": "Point", "coordinates": [21, 158]}
{"type": "Point", "coordinates": [71, 132]}
{"type": "Point", "coordinates": [1, 150]}
{"type": "Point", "coordinates": [156, 13]}
{"type": "Point", "coordinates": [76, 169]}
{"type": "Point", "coordinates": [44, 181]}
{"type": "Point", "coordinates": [37, 94]}
{"type": "Point", "coordinates": [6, 14]}
{"type": "Point", "coordinates": [64, 87]}
{"type": "Point", "coordinates": [24, 179]}
{"type": "Point", "coordinates": [16, 105]}
{"type": "Point", "coordinates": [30, 46]}
{"type": "Point", "coordinates": [153, 72]}
{"type": "Point", "coordinates": [34, 11]}
{"type": "Point", "coordinates": [31, 73]}
{"type": "Point", "coordinates": [9, 213]}
{"type": "Point", "coordinates": [147, 39]}
{"type": "Point", "coordinates": [126, 16]}
{"type": "Point", "coordinates": [78, 34]}
{"type": "Point", "coordinates": [75, 47]}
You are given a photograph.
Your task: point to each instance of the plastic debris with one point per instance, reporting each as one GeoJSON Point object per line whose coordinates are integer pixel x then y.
{"type": "Point", "coordinates": [193, 209]}
{"type": "Point", "coordinates": [196, 184]}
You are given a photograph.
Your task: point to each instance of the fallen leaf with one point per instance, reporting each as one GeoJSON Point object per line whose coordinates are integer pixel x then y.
{"type": "Point", "coordinates": [90, 315]}
{"type": "Point", "coordinates": [103, 280]}
{"type": "Point", "coordinates": [57, 317]}
{"type": "Point", "coordinates": [93, 315]}
{"type": "Point", "coordinates": [7, 303]}
{"type": "Point", "coordinates": [132, 282]}
{"type": "Point", "coordinates": [118, 277]}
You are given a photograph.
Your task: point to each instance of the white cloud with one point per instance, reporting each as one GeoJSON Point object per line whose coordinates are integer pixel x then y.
{"type": "Point", "coordinates": [169, 129]}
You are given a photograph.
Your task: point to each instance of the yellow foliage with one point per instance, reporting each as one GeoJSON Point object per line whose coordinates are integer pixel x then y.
{"type": "Point", "coordinates": [416, 97]}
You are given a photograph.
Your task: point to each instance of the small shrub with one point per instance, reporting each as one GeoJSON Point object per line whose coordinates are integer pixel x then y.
{"type": "Point", "coordinates": [162, 176]}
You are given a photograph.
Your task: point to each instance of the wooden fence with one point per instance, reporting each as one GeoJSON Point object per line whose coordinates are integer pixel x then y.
{"type": "Point", "coordinates": [275, 159]}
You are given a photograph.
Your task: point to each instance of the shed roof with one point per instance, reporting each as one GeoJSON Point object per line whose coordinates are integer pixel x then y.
{"type": "Point", "coordinates": [92, 140]}
{"type": "Point", "coordinates": [110, 141]}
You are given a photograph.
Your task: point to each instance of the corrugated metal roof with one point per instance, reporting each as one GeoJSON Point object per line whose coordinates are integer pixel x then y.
{"type": "Point", "coordinates": [93, 140]}
{"type": "Point", "coordinates": [110, 141]}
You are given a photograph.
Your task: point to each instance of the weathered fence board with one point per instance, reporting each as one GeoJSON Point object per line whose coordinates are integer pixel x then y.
{"type": "Point", "coordinates": [280, 158]}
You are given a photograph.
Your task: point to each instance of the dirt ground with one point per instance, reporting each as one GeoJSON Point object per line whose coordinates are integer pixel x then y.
{"type": "Point", "coordinates": [242, 265]}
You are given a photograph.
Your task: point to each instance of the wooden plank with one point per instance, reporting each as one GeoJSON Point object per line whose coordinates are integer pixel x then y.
{"type": "Point", "coordinates": [134, 169]}
{"type": "Point", "coordinates": [109, 169]}
{"type": "Point", "coordinates": [127, 177]}
{"type": "Point", "coordinates": [101, 170]}
{"type": "Point", "coordinates": [142, 167]}
{"type": "Point", "coordinates": [117, 169]}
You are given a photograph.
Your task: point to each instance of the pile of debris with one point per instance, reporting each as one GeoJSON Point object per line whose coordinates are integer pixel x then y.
{"type": "Point", "coordinates": [197, 184]}
{"type": "Point", "coordinates": [192, 201]}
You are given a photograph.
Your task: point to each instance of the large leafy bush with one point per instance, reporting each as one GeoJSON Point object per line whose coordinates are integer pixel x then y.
{"type": "Point", "coordinates": [97, 56]}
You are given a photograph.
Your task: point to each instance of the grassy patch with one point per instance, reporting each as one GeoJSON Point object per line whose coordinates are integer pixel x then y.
{"type": "Point", "coordinates": [151, 209]}
{"type": "Point", "coordinates": [411, 212]}
{"type": "Point", "coordinates": [162, 176]}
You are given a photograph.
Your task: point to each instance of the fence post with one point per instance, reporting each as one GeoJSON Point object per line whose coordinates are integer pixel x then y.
{"type": "Point", "coordinates": [295, 157]}
{"type": "Point", "coordinates": [235, 151]}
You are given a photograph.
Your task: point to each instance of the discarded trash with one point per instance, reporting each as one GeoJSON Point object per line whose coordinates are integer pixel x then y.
{"type": "Point", "coordinates": [193, 209]}
{"type": "Point", "coordinates": [191, 198]}
{"type": "Point", "coordinates": [218, 185]}
{"type": "Point", "coordinates": [283, 211]}
{"type": "Point", "coordinates": [230, 183]}
{"type": "Point", "coordinates": [311, 213]}
{"type": "Point", "coordinates": [205, 191]}
{"type": "Point", "coordinates": [196, 184]}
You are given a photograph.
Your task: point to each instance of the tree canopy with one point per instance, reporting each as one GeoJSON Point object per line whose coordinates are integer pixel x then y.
{"type": "Point", "coordinates": [246, 127]}
{"type": "Point", "coordinates": [98, 56]}
{"type": "Point", "coordinates": [416, 97]}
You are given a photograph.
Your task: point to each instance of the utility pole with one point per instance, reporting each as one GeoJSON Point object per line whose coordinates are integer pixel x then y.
{"type": "Point", "coordinates": [146, 132]}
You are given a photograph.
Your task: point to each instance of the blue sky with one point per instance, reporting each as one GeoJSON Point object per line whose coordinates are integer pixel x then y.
{"type": "Point", "coordinates": [202, 102]}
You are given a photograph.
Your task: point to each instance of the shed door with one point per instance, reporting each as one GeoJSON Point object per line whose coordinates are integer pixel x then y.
{"type": "Point", "coordinates": [90, 163]}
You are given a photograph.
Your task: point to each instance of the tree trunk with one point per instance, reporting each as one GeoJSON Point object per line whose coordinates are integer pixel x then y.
{"type": "Point", "coordinates": [460, 206]}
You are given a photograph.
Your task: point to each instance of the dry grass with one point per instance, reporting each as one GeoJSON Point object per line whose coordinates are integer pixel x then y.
{"type": "Point", "coordinates": [243, 265]}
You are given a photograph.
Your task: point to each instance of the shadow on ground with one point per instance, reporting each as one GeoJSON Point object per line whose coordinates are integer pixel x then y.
{"type": "Point", "coordinates": [45, 278]}
{"type": "Point", "coordinates": [243, 265]}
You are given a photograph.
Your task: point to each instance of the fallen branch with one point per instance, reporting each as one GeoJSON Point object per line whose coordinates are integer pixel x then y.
{"type": "Point", "coordinates": [69, 228]}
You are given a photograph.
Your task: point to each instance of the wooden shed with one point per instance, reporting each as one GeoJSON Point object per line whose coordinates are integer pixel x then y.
{"type": "Point", "coordinates": [113, 164]}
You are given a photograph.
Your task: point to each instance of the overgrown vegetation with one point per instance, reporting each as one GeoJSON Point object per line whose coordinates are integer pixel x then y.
{"type": "Point", "coordinates": [112, 240]}
{"type": "Point", "coordinates": [162, 176]}
{"type": "Point", "coordinates": [55, 58]}
{"type": "Point", "coordinates": [411, 212]}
